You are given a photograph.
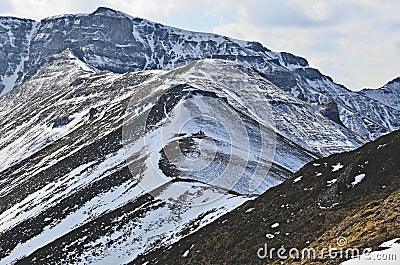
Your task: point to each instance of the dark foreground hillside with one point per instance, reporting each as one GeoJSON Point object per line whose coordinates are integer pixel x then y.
{"type": "Point", "coordinates": [353, 195]}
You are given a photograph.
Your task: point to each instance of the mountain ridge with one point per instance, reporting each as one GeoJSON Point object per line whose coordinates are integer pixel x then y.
{"type": "Point", "coordinates": [141, 44]}
{"type": "Point", "coordinates": [389, 94]}
{"type": "Point", "coordinates": [104, 162]}
{"type": "Point", "coordinates": [68, 171]}
{"type": "Point", "coordinates": [324, 201]}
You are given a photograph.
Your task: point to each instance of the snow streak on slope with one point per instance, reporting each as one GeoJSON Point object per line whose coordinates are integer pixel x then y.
{"type": "Point", "coordinates": [76, 178]}
{"type": "Point", "coordinates": [78, 192]}
{"type": "Point", "coordinates": [388, 95]}
{"type": "Point", "coordinates": [210, 83]}
{"type": "Point", "coordinates": [111, 40]}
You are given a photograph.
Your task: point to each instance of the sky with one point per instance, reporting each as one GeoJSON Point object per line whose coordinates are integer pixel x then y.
{"type": "Point", "coordinates": [356, 42]}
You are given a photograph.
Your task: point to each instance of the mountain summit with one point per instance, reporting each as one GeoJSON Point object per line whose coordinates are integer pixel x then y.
{"type": "Point", "coordinates": [120, 137]}
{"type": "Point", "coordinates": [111, 40]}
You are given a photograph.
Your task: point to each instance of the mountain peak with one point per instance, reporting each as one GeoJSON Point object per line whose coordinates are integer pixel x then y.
{"type": "Point", "coordinates": [121, 43]}
{"type": "Point", "coordinates": [110, 12]}
{"type": "Point", "coordinates": [103, 10]}
{"type": "Point", "coordinates": [394, 81]}
{"type": "Point", "coordinates": [387, 95]}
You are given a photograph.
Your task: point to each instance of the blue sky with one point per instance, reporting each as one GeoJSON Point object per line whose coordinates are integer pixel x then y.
{"type": "Point", "coordinates": [356, 42]}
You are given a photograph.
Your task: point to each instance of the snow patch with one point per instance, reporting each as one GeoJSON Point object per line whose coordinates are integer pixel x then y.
{"type": "Point", "coordinates": [275, 225]}
{"type": "Point", "coordinates": [331, 182]}
{"type": "Point", "coordinates": [388, 256]}
{"type": "Point", "coordinates": [358, 179]}
{"type": "Point", "coordinates": [297, 179]}
{"type": "Point", "coordinates": [337, 167]}
{"type": "Point", "coordinates": [249, 210]}
{"type": "Point", "coordinates": [187, 252]}
{"type": "Point", "coordinates": [327, 207]}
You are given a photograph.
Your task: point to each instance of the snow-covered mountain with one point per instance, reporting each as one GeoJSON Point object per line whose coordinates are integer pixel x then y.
{"type": "Point", "coordinates": [119, 136]}
{"type": "Point", "coordinates": [111, 40]}
{"type": "Point", "coordinates": [82, 148]}
{"type": "Point", "coordinates": [388, 95]}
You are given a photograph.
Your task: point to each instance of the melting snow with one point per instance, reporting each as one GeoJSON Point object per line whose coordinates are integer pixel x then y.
{"type": "Point", "coordinates": [249, 210]}
{"type": "Point", "coordinates": [358, 179]}
{"type": "Point", "coordinates": [336, 167]}
{"type": "Point", "coordinates": [297, 179]}
{"type": "Point", "coordinates": [275, 225]}
{"type": "Point", "coordinates": [269, 236]}
{"type": "Point", "coordinates": [330, 182]}
{"type": "Point", "coordinates": [152, 228]}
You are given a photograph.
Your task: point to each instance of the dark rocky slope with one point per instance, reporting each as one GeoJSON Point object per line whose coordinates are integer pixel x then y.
{"type": "Point", "coordinates": [316, 206]}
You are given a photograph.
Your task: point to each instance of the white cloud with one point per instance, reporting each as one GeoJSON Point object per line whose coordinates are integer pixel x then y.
{"type": "Point", "coordinates": [39, 9]}
{"type": "Point", "coordinates": [357, 42]}
{"type": "Point", "coordinates": [334, 65]}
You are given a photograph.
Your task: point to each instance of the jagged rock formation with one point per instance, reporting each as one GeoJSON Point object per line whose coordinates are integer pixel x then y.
{"type": "Point", "coordinates": [332, 112]}
{"type": "Point", "coordinates": [111, 40]}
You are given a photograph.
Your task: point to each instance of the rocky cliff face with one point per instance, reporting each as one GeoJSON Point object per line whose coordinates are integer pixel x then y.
{"type": "Point", "coordinates": [332, 112]}
{"type": "Point", "coordinates": [15, 38]}
{"type": "Point", "coordinates": [111, 40]}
